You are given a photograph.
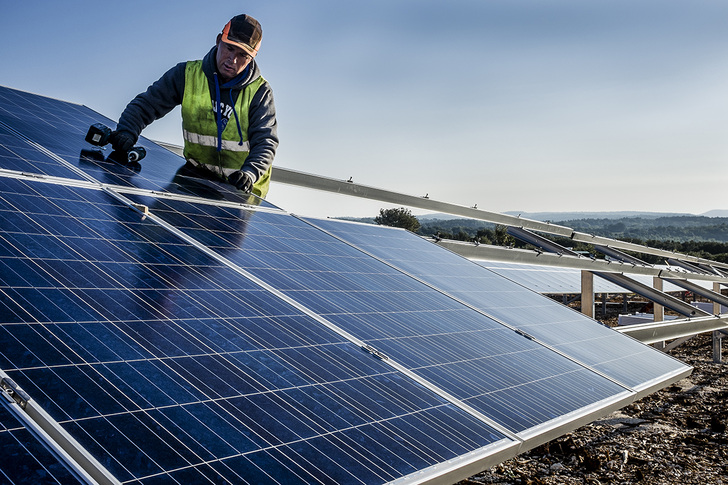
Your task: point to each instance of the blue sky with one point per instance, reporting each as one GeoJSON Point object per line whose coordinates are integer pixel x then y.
{"type": "Point", "coordinates": [526, 105]}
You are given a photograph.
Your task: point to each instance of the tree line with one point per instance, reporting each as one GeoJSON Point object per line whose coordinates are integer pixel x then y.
{"type": "Point", "coordinates": [704, 237]}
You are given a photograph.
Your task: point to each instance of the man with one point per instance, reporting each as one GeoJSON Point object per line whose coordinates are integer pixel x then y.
{"type": "Point", "coordinates": [228, 115]}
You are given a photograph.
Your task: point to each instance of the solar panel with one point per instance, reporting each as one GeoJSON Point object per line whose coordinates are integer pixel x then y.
{"type": "Point", "coordinates": [56, 130]}
{"type": "Point", "coordinates": [598, 347]}
{"type": "Point", "coordinates": [561, 280]}
{"type": "Point", "coordinates": [547, 279]}
{"type": "Point", "coordinates": [194, 335]}
{"type": "Point", "coordinates": [163, 362]}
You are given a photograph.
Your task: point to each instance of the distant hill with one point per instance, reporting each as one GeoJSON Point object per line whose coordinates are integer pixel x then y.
{"type": "Point", "coordinates": [680, 228]}
{"type": "Point", "coordinates": [568, 216]}
{"type": "Point", "coordinates": [644, 226]}
{"type": "Point", "coordinates": [664, 228]}
{"type": "Point", "coordinates": [715, 213]}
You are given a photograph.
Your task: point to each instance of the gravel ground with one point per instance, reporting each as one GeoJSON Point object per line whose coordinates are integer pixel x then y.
{"type": "Point", "coordinates": [676, 435]}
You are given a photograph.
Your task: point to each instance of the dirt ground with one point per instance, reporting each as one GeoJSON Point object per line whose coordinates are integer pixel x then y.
{"type": "Point", "coordinates": [676, 435]}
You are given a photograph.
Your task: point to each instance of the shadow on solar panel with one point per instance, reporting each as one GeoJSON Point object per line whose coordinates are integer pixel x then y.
{"type": "Point", "coordinates": [168, 339]}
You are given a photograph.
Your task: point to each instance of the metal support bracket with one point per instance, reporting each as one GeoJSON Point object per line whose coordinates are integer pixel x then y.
{"type": "Point", "coordinates": [620, 256]}
{"type": "Point", "coordinates": [15, 392]}
{"type": "Point", "coordinates": [376, 353]}
{"type": "Point", "coordinates": [539, 241]}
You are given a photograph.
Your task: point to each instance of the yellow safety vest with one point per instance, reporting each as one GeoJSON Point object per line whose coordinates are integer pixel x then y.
{"type": "Point", "coordinates": [199, 127]}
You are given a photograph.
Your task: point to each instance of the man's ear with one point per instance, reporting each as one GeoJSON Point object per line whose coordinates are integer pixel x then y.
{"type": "Point", "coordinates": [219, 38]}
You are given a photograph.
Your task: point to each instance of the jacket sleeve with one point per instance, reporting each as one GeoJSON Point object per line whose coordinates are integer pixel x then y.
{"type": "Point", "coordinates": [158, 100]}
{"type": "Point", "coordinates": [262, 132]}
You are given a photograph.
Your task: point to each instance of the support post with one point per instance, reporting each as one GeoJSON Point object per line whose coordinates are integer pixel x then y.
{"type": "Point", "coordinates": [658, 311]}
{"type": "Point", "coordinates": [716, 305]}
{"type": "Point", "coordinates": [717, 346]}
{"type": "Point", "coordinates": [587, 293]}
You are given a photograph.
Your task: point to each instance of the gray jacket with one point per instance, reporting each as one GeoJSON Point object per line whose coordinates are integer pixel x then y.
{"type": "Point", "coordinates": [167, 92]}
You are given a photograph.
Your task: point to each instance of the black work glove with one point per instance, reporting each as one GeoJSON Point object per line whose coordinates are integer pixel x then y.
{"type": "Point", "coordinates": [241, 180]}
{"type": "Point", "coordinates": [122, 140]}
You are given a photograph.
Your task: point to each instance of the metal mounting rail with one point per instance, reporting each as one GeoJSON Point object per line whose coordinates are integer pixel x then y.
{"type": "Point", "coordinates": [317, 182]}
{"type": "Point", "coordinates": [539, 241]}
{"type": "Point", "coordinates": [699, 290]}
{"type": "Point", "coordinates": [638, 248]}
{"type": "Point", "coordinates": [695, 268]}
{"type": "Point", "coordinates": [650, 333]}
{"type": "Point", "coordinates": [620, 256]}
{"type": "Point", "coordinates": [58, 441]}
{"type": "Point", "coordinates": [348, 187]}
{"type": "Point", "coordinates": [652, 294]}
{"type": "Point", "coordinates": [487, 252]}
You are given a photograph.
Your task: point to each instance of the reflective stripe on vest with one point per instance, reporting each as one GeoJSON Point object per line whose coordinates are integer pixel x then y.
{"type": "Point", "coordinates": [211, 141]}
{"type": "Point", "coordinates": [199, 125]}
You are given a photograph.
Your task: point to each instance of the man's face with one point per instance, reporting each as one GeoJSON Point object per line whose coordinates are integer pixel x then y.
{"type": "Point", "coordinates": [231, 60]}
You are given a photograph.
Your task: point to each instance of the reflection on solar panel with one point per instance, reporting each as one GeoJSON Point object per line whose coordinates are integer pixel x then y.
{"type": "Point", "coordinates": [197, 339]}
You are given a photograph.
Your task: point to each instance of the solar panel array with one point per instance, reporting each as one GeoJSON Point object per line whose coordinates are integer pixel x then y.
{"type": "Point", "coordinates": [562, 280]}
{"type": "Point", "coordinates": [181, 332]}
{"type": "Point", "coordinates": [548, 279]}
